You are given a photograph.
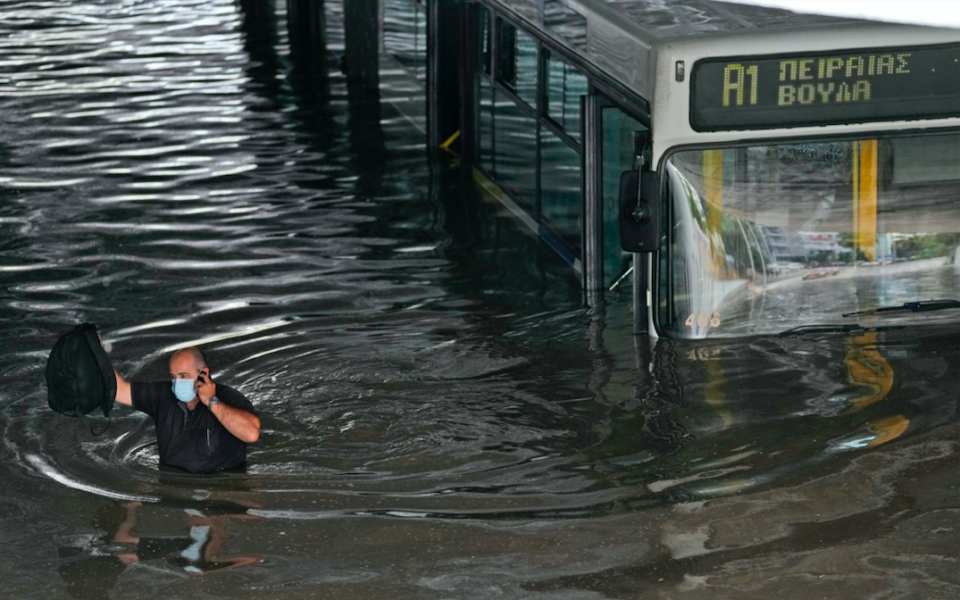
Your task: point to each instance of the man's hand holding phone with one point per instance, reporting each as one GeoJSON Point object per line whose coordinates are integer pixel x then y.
{"type": "Point", "coordinates": [205, 387]}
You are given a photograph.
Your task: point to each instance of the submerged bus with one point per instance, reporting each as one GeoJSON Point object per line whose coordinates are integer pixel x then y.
{"type": "Point", "coordinates": [750, 170]}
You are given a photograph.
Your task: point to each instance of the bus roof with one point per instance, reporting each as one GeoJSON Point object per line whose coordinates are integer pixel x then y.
{"type": "Point", "coordinates": [683, 18]}
{"type": "Point", "coordinates": [661, 19]}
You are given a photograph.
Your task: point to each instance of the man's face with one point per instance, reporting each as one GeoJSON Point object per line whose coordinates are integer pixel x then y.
{"type": "Point", "coordinates": [183, 367]}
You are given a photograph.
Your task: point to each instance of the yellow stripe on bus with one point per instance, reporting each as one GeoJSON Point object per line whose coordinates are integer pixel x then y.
{"type": "Point", "coordinates": [450, 140]}
{"type": "Point", "coordinates": [865, 198]}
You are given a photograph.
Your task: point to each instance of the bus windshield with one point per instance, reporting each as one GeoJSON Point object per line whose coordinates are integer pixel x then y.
{"type": "Point", "coordinates": [765, 239]}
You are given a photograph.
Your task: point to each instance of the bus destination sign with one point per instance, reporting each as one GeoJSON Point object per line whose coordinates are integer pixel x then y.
{"type": "Point", "coordinates": [772, 92]}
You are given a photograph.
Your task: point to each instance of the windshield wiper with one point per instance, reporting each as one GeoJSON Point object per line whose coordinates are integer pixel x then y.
{"type": "Point", "coordinates": [919, 306]}
{"type": "Point", "coordinates": [833, 328]}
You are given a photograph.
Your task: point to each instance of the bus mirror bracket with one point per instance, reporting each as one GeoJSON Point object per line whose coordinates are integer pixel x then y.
{"type": "Point", "coordinates": [639, 211]}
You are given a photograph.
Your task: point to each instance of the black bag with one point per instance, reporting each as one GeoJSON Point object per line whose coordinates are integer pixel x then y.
{"type": "Point", "coordinates": [80, 376]}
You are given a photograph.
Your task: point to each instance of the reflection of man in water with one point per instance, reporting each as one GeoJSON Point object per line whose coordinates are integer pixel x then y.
{"type": "Point", "coordinates": [202, 426]}
{"type": "Point", "coordinates": [197, 553]}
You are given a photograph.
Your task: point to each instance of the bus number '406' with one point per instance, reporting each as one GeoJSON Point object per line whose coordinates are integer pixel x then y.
{"type": "Point", "coordinates": [702, 320]}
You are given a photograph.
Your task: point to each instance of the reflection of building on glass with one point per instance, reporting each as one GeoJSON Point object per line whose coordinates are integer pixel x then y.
{"type": "Point", "coordinates": [784, 246]}
{"type": "Point", "coordinates": [196, 551]}
{"type": "Point", "coordinates": [822, 246]}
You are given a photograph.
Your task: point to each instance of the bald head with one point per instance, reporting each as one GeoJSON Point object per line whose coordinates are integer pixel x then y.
{"type": "Point", "coordinates": [191, 358]}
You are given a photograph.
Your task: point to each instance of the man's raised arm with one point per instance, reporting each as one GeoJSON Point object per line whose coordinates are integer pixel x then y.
{"type": "Point", "coordinates": [123, 391]}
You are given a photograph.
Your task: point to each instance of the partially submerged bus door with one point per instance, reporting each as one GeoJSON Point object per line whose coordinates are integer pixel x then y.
{"type": "Point", "coordinates": [622, 140]}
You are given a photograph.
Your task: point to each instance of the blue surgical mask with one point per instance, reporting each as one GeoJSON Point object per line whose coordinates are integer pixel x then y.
{"type": "Point", "coordinates": [183, 389]}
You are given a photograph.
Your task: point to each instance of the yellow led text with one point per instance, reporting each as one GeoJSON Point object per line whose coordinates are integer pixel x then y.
{"type": "Point", "coordinates": [735, 84]}
{"type": "Point", "coordinates": [830, 80]}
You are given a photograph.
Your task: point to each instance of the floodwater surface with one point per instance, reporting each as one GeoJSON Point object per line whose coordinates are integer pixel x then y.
{"type": "Point", "coordinates": [443, 415]}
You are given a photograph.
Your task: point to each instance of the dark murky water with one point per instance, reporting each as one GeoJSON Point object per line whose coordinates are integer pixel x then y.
{"type": "Point", "coordinates": [442, 416]}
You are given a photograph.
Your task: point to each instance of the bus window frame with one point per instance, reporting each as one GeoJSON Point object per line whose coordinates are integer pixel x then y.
{"type": "Point", "coordinates": [545, 55]}
{"type": "Point", "coordinates": [537, 113]}
{"type": "Point", "coordinates": [628, 100]}
{"type": "Point", "coordinates": [598, 84]}
{"type": "Point", "coordinates": [666, 207]}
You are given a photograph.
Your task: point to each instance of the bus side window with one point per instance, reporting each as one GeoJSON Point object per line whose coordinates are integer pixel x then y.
{"type": "Point", "coordinates": [507, 55]}
{"type": "Point", "coordinates": [564, 86]}
{"type": "Point", "coordinates": [517, 62]}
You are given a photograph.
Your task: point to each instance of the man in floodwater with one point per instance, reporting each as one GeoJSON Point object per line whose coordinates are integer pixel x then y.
{"type": "Point", "coordinates": [202, 426]}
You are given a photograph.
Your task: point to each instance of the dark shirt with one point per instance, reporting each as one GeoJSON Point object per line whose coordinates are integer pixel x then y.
{"type": "Point", "coordinates": [194, 441]}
